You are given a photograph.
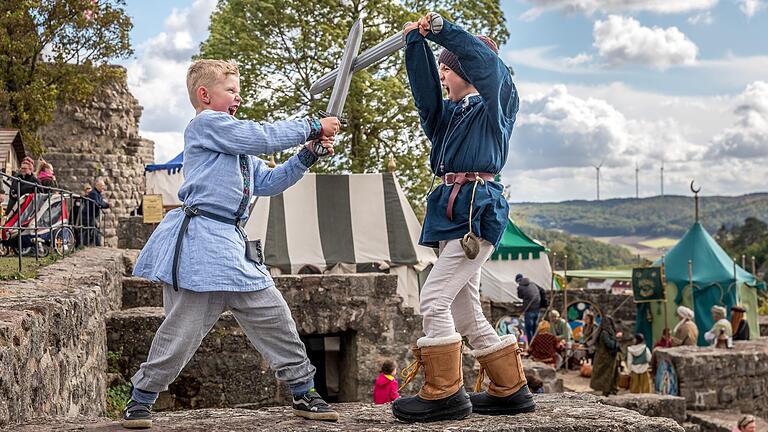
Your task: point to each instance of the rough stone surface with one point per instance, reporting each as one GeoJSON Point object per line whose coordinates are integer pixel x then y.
{"type": "Point", "coordinates": [52, 337]}
{"type": "Point", "coordinates": [651, 405]}
{"type": "Point", "coordinates": [718, 379]}
{"type": "Point", "coordinates": [101, 138]}
{"type": "Point", "coordinates": [555, 413]}
{"type": "Point", "coordinates": [132, 232]}
{"type": "Point", "coordinates": [763, 325]}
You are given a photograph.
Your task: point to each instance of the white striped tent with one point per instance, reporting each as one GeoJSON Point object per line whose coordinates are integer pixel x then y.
{"type": "Point", "coordinates": [343, 224]}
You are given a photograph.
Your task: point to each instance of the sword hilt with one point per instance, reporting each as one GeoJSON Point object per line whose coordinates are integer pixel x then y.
{"type": "Point", "coordinates": [321, 151]}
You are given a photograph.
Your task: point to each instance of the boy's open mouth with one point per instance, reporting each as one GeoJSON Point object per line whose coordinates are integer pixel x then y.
{"type": "Point", "coordinates": [233, 109]}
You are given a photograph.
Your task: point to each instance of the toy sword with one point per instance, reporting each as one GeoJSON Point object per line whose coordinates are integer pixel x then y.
{"type": "Point", "coordinates": [369, 57]}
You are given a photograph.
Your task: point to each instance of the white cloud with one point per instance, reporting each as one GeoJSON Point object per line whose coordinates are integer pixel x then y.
{"type": "Point", "coordinates": [158, 77]}
{"type": "Point", "coordinates": [581, 58]}
{"type": "Point", "coordinates": [620, 40]}
{"type": "Point", "coordinates": [748, 137]}
{"type": "Point", "coordinates": [590, 7]}
{"type": "Point", "coordinates": [556, 129]}
{"type": "Point", "coordinates": [540, 58]}
{"type": "Point", "coordinates": [704, 18]}
{"type": "Point", "coordinates": [751, 7]}
{"type": "Point", "coordinates": [562, 131]}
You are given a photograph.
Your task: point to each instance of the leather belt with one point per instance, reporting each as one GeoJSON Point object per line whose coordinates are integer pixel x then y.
{"type": "Point", "coordinates": [189, 213]}
{"type": "Point", "coordinates": [456, 180]}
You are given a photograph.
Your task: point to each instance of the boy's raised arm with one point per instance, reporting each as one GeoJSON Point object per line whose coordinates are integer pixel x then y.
{"type": "Point", "coordinates": [424, 80]}
{"type": "Point", "coordinates": [485, 70]}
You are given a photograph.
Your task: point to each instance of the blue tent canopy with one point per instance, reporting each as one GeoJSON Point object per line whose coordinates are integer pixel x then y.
{"type": "Point", "coordinates": [173, 165]}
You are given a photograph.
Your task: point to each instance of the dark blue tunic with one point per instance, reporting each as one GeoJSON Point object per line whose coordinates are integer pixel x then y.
{"type": "Point", "coordinates": [470, 135]}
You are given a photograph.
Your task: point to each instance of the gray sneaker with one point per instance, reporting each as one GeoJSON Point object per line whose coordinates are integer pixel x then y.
{"type": "Point", "coordinates": [137, 416]}
{"type": "Point", "coordinates": [313, 407]}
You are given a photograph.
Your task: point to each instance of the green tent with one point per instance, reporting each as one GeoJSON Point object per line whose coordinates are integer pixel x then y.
{"type": "Point", "coordinates": [517, 253]}
{"type": "Point", "coordinates": [716, 280]}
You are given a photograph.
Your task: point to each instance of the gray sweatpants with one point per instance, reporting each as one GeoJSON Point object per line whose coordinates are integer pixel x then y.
{"type": "Point", "coordinates": [190, 315]}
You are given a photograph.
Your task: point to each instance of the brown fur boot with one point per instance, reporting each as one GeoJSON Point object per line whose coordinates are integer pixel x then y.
{"type": "Point", "coordinates": [442, 397]}
{"type": "Point", "coordinates": [508, 391]}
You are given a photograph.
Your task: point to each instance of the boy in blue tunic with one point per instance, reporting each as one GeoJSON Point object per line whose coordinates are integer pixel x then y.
{"type": "Point", "coordinates": [200, 251]}
{"type": "Point", "coordinates": [466, 216]}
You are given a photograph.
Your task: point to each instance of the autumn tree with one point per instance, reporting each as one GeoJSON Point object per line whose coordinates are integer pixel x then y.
{"type": "Point", "coordinates": [56, 51]}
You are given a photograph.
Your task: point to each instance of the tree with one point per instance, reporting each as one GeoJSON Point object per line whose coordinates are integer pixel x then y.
{"type": "Point", "coordinates": [56, 51]}
{"type": "Point", "coordinates": [282, 46]}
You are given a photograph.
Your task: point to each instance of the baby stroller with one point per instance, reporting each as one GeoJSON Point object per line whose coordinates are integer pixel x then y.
{"type": "Point", "coordinates": [47, 212]}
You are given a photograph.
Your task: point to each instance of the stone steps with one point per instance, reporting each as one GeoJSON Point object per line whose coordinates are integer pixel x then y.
{"type": "Point", "coordinates": [140, 292]}
{"type": "Point", "coordinates": [554, 413]}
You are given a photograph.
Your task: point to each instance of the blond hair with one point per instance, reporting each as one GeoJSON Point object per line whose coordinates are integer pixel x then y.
{"type": "Point", "coordinates": [204, 73]}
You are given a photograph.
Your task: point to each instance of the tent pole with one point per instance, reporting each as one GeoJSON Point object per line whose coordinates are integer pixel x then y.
{"type": "Point", "coordinates": [664, 287]}
{"type": "Point", "coordinates": [565, 288]}
{"type": "Point", "coordinates": [754, 271]}
{"type": "Point", "coordinates": [690, 275]}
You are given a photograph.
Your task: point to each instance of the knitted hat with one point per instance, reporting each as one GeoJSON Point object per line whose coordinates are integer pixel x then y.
{"type": "Point", "coordinates": [449, 59]}
{"type": "Point", "coordinates": [518, 277]}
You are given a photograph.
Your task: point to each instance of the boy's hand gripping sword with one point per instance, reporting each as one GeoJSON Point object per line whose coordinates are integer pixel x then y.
{"type": "Point", "coordinates": [342, 79]}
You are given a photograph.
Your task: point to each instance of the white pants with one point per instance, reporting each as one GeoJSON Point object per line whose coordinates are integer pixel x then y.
{"type": "Point", "coordinates": [450, 298]}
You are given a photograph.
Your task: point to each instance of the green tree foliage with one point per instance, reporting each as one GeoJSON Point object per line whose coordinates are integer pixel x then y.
{"type": "Point", "coordinates": [749, 239]}
{"type": "Point", "coordinates": [55, 51]}
{"type": "Point", "coordinates": [668, 216]}
{"type": "Point", "coordinates": [283, 46]}
{"type": "Point", "coordinates": [583, 253]}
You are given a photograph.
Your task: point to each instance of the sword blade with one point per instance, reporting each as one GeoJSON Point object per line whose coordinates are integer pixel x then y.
{"type": "Point", "coordinates": [344, 77]}
{"type": "Point", "coordinates": [367, 58]}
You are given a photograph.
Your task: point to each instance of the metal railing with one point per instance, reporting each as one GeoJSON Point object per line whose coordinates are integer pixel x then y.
{"type": "Point", "coordinates": [61, 236]}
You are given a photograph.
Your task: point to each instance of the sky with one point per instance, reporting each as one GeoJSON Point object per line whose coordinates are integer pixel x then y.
{"type": "Point", "coordinates": [623, 84]}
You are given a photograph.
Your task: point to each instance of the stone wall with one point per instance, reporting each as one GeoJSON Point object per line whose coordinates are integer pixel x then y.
{"type": "Point", "coordinates": [53, 339]}
{"type": "Point", "coordinates": [718, 379]}
{"type": "Point", "coordinates": [363, 310]}
{"type": "Point", "coordinates": [101, 138]}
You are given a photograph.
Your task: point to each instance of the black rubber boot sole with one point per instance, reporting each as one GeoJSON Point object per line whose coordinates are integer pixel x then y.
{"type": "Point", "coordinates": [454, 407]}
{"type": "Point", "coordinates": [517, 403]}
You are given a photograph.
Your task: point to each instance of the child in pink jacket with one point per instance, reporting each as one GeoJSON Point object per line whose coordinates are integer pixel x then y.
{"type": "Point", "coordinates": [385, 389]}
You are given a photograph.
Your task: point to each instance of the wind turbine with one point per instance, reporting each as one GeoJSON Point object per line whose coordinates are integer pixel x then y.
{"type": "Point", "coordinates": [637, 181]}
{"type": "Point", "coordinates": [597, 169]}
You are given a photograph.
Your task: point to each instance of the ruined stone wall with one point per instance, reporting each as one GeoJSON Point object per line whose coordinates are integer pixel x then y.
{"type": "Point", "coordinates": [53, 340]}
{"type": "Point", "coordinates": [101, 138]}
{"type": "Point", "coordinates": [720, 379]}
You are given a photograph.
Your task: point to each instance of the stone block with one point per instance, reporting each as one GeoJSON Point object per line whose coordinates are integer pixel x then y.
{"type": "Point", "coordinates": [52, 338]}
{"type": "Point", "coordinates": [651, 405]}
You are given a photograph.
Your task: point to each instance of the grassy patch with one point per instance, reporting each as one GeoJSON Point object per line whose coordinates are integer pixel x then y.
{"type": "Point", "coordinates": [117, 398]}
{"type": "Point", "coordinates": [9, 266]}
{"type": "Point", "coordinates": [660, 242]}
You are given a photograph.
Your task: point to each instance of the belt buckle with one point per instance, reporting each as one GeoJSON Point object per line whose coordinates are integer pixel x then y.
{"type": "Point", "coordinates": [190, 211]}
{"type": "Point", "coordinates": [452, 177]}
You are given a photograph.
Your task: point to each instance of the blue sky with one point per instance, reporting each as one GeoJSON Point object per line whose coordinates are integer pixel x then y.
{"type": "Point", "coordinates": [617, 82]}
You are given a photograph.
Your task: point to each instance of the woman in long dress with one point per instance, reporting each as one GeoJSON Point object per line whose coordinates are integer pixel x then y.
{"type": "Point", "coordinates": [605, 367]}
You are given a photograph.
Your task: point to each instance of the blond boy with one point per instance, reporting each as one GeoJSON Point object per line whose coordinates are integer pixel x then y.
{"type": "Point", "coordinates": [202, 255]}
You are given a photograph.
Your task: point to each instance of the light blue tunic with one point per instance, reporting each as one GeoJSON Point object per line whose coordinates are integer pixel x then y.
{"type": "Point", "coordinates": [213, 253]}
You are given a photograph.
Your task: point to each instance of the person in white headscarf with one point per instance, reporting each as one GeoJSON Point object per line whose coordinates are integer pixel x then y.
{"type": "Point", "coordinates": [721, 332]}
{"type": "Point", "coordinates": [685, 332]}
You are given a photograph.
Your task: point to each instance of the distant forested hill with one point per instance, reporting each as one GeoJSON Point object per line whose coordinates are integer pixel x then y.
{"type": "Point", "coordinates": [657, 216]}
{"type": "Point", "coordinates": [583, 252]}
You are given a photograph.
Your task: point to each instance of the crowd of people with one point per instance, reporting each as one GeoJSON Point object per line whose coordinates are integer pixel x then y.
{"type": "Point", "coordinates": [84, 212]}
